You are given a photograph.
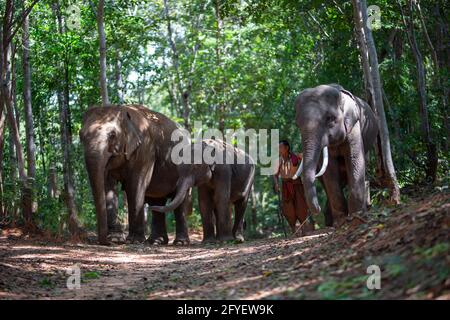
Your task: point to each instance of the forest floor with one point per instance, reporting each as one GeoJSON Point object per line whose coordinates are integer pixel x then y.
{"type": "Point", "coordinates": [410, 244]}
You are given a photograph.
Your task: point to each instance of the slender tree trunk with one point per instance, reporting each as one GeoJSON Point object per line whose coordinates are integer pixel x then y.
{"type": "Point", "coordinates": [220, 92]}
{"type": "Point", "coordinates": [7, 77]}
{"type": "Point", "coordinates": [52, 186]}
{"type": "Point", "coordinates": [12, 179]}
{"type": "Point", "coordinates": [432, 157]}
{"type": "Point", "coordinates": [65, 134]}
{"type": "Point", "coordinates": [254, 206]}
{"type": "Point", "coordinates": [394, 115]}
{"type": "Point", "coordinates": [8, 92]}
{"type": "Point", "coordinates": [443, 67]}
{"type": "Point", "coordinates": [29, 126]}
{"type": "Point", "coordinates": [373, 86]}
{"type": "Point", "coordinates": [102, 46]}
{"type": "Point", "coordinates": [118, 77]}
{"type": "Point", "coordinates": [2, 143]}
{"type": "Point", "coordinates": [182, 96]}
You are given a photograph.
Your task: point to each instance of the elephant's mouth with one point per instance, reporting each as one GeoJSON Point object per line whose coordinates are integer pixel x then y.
{"type": "Point", "coordinates": [322, 169]}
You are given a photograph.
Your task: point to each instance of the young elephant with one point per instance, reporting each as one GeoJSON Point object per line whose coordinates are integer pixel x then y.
{"type": "Point", "coordinates": [220, 185]}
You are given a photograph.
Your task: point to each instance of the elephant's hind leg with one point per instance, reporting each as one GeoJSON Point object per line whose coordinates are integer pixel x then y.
{"type": "Point", "coordinates": [239, 211]}
{"type": "Point", "coordinates": [206, 205]}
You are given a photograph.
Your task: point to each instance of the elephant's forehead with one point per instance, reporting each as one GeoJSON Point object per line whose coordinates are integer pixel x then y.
{"type": "Point", "coordinates": [311, 112]}
{"type": "Point", "coordinates": [101, 127]}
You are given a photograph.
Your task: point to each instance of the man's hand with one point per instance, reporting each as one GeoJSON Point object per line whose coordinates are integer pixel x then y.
{"type": "Point", "coordinates": [276, 188]}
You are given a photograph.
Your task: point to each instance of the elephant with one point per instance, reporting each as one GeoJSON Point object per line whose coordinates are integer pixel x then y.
{"type": "Point", "coordinates": [344, 126]}
{"type": "Point", "coordinates": [220, 184]}
{"type": "Point", "coordinates": [131, 144]}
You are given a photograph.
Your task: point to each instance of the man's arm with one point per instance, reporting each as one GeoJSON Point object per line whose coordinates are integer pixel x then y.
{"type": "Point", "coordinates": [276, 187]}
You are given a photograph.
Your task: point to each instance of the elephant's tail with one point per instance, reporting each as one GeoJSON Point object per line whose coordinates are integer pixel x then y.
{"type": "Point", "coordinates": [251, 178]}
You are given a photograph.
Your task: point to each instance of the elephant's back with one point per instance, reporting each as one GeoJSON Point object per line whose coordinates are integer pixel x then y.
{"type": "Point", "coordinates": [154, 117]}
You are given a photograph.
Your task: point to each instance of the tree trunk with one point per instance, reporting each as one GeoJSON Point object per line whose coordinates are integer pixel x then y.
{"type": "Point", "coordinates": [65, 134]}
{"type": "Point", "coordinates": [443, 67]}
{"type": "Point", "coordinates": [220, 92]}
{"type": "Point", "coordinates": [118, 77]}
{"type": "Point", "coordinates": [12, 206]}
{"type": "Point", "coordinates": [181, 95]}
{"type": "Point", "coordinates": [373, 87]}
{"type": "Point", "coordinates": [432, 158]}
{"type": "Point", "coordinates": [7, 91]}
{"type": "Point", "coordinates": [254, 206]}
{"type": "Point", "coordinates": [102, 46]}
{"type": "Point", "coordinates": [2, 143]}
{"type": "Point", "coordinates": [29, 126]}
{"type": "Point", "coordinates": [52, 186]}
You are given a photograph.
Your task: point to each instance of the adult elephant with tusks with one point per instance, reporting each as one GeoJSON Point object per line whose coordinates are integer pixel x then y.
{"type": "Point", "coordinates": [343, 127]}
{"type": "Point", "coordinates": [224, 177]}
{"type": "Point", "coordinates": [132, 145]}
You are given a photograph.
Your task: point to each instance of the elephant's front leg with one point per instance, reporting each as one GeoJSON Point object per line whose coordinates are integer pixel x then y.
{"type": "Point", "coordinates": [181, 230]}
{"type": "Point", "coordinates": [136, 216]}
{"type": "Point", "coordinates": [223, 216]}
{"type": "Point", "coordinates": [112, 204]}
{"type": "Point", "coordinates": [206, 206]}
{"type": "Point", "coordinates": [136, 195]}
{"type": "Point", "coordinates": [239, 211]}
{"type": "Point", "coordinates": [356, 169]}
{"type": "Point", "coordinates": [335, 194]}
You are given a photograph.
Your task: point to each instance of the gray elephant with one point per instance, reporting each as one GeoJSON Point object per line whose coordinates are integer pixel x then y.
{"type": "Point", "coordinates": [221, 184]}
{"type": "Point", "coordinates": [344, 127]}
{"type": "Point", "coordinates": [131, 145]}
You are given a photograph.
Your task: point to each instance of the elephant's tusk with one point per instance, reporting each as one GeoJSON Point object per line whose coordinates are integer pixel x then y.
{"type": "Point", "coordinates": [324, 162]}
{"type": "Point", "coordinates": [299, 171]}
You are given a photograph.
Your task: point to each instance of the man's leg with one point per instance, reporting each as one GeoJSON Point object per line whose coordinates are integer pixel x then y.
{"type": "Point", "coordinates": [288, 209]}
{"type": "Point", "coordinates": [301, 207]}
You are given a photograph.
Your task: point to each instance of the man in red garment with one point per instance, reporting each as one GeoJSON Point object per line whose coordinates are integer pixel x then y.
{"type": "Point", "coordinates": [294, 205]}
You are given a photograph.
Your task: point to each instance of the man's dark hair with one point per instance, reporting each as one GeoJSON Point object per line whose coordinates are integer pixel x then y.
{"type": "Point", "coordinates": [286, 143]}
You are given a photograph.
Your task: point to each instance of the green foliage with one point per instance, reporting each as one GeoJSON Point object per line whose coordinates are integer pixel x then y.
{"type": "Point", "coordinates": [90, 275]}
{"type": "Point", "coordinates": [245, 70]}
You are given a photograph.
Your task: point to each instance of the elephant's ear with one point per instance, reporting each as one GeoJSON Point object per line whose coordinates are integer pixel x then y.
{"type": "Point", "coordinates": [350, 108]}
{"type": "Point", "coordinates": [133, 138]}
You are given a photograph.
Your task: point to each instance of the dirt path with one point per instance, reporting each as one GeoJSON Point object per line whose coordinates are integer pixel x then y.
{"type": "Point", "coordinates": [410, 244]}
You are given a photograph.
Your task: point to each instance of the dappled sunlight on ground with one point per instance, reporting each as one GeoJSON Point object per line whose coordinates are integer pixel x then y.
{"type": "Point", "coordinates": [409, 243]}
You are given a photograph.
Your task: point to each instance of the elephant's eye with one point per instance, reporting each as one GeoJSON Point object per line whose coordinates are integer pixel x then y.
{"type": "Point", "coordinates": [112, 135]}
{"type": "Point", "coordinates": [330, 119]}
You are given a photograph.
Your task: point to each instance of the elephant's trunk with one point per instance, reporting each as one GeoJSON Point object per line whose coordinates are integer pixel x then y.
{"type": "Point", "coordinates": [179, 197]}
{"type": "Point", "coordinates": [96, 169]}
{"type": "Point", "coordinates": [311, 155]}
